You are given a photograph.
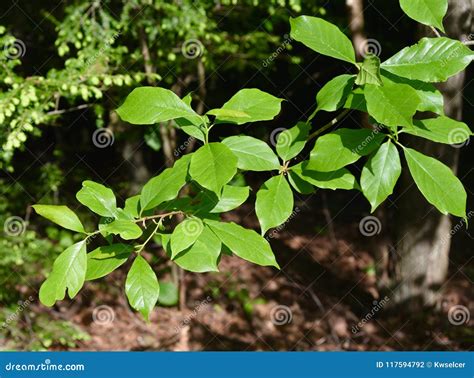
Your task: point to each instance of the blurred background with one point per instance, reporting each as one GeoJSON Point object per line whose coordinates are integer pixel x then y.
{"type": "Point", "coordinates": [399, 279]}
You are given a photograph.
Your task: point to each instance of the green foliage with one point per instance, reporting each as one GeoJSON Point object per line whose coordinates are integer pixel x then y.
{"type": "Point", "coordinates": [61, 215]}
{"type": "Point", "coordinates": [343, 147]}
{"type": "Point", "coordinates": [274, 203]}
{"type": "Point", "coordinates": [292, 141]}
{"type": "Point", "coordinates": [42, 334]}
{"type": "Point", "coordinates": [428, 12]}
{"type": "Point", "coordinates": [182, 205]}
{"type": "Point", "coordinates": [323, 37]}
{"type": "Point", "coordinates": [437, 183]}
{"type": "Point", "coordinates": [149, 105]}
{"type": "Point", "coordinates": [252, 154]}
{"type": "Point", "coordinates": [142, 287]}
{"type": "Point", "coordinates": [441, 130]}
{"type": "Point", "coordinates": [98, 199]}
{"type": "Point", "coordinates": [392, 104]}
{"type": "Point", "coordinates": [333, 95]}
{"type": "Point", "coordinates": [100, 49]}
{"type": "Point", "coordinates": [432, 60]}
{"type": "Point", "coordinates": [250, 105]}
{"type": "Point", "coordinates": [105, 259]}
{"type": "Point", "coordinates": [69, 272]}
{"type": "Point", "coordinates": [380, 174]}
{"type": "Point", "coordinates": [213, 166]}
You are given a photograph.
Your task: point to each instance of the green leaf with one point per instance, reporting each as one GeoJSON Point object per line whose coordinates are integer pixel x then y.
{"type": "Point", "coordinates": [340, 179]}
{"type": "Point", "coordinates": [342, 147]}
{"type": "Point", "coordinates": [231, 198]}
{"type": "Point", "coordinates": [432, 60]}
{"type": "Point", "coordinates": [61, 215]}
{"type": "Point", "coordinates": [441, 130]}
{"type": "Point", "coordinates": [149, 105]}
{"type": "Point", "coordinates": [132, 206]}
{"type": "Point", "coordinates": [247, 244]}
{"type": "Point", "coordinates": [322, 37]}
{"type": "Point", "coordinates": [252, 154]}
{"type": "Point", "coordinates": [274, 203]}
{"type": "Point", "coordinates": [169, 294]}
{"type": "Point", "coordinates": [213, 166]}
{"type": "Point", "coordinates": [356, 100]}
{"type": "Point", "coordinates": [369, 71]}
{"type": "Point", "coordinates": [431, 99]}
{"type": "Point", "coordinates": [258, 105]}
{"type": "Point", "coordinates": [300, 185]}
{"type": "Point", "coordinates": [203, 255]}
{"type": "Point", "coordinates": [98, 198]}
{"type": "Point", "coordinates": [69, 272]}
{"type": "Point", "coordinates": [127, 229]}
{"type": "Point", "coordinates": [166, 185]}
{"type": "Point", "coordinates": [105, 259]}
{"type": "Point", "coordinates": [229, 113]}
{"type": "Point", "coordinates": [427, 12]}
{"type": "Point", "coordinates": [142, 287]}
{"type": "Point", "coordinates": [185, 234]}
{"type": "Point", "coordinates": [437, 183]}
{"type": "Point", "coordinates": [392, 104]}
{"type": "Point", "coordinates": [292, 141]}
{"type": "Point", "coordinates": [334, 94]}
{"type": "Point", "coordinates": [380, 174]}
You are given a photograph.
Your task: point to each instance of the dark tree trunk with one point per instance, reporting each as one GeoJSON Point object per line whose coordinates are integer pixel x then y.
{"type": "Point", "coordinates": [422, 235]}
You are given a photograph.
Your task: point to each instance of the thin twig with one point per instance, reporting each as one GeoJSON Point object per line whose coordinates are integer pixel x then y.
{"type": "Point", "coordinates": [435, 31]}
{"type": "Point", "coordinates": [171, 213]}
{"type": "Point", "coordinates": [62, 111]}
{"type": "Point", "coordinates": [329, 124]}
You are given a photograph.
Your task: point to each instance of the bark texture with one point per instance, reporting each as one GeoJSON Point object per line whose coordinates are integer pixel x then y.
{"type": "Point", "coordinates": [422, 233]}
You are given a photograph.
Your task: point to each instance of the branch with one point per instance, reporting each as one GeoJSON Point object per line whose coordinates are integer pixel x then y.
{"type": "Point", "coordinates": [329, 124]}
{"type": "Point", "coordinates": [171, 213]}
{"type": "Point", "coordinates": [435, 31]}
{"type": "Point", "coordinates": [62, 111]}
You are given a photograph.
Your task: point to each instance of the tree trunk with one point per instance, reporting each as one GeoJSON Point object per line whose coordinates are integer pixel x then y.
{"type": "Point", "coordinates": [423, 234]}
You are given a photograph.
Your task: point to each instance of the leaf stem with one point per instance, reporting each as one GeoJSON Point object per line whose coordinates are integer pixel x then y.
{"type": "Point", "coordinates": [329, 124]}
{"type": "Point", "coordinates": [160, 216]}
{"type": "Point", "coordinates": [435, 31]}
{"type": "Point", "coordinates": [142, 246]}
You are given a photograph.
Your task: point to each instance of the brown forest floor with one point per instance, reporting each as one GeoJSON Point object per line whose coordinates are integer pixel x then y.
{"type": "Point", "coordinates": [325, 283]}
